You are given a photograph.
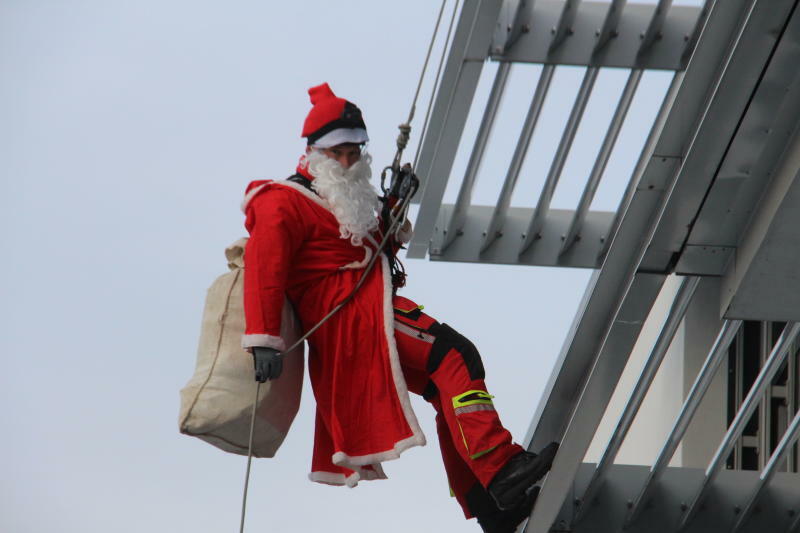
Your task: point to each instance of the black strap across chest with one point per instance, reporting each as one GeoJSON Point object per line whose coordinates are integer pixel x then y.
{"type": "Point", "coordinates": [301, 180]}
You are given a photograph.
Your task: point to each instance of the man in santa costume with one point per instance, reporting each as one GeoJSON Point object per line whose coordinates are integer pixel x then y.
{"type": "Point", "coordinates": [311, 239]}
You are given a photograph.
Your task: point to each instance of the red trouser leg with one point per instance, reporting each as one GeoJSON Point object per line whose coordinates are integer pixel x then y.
{"type": "Point", "coordinates": [446, 369]}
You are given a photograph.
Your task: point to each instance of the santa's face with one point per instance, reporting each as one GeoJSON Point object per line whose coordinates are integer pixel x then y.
{"type": "Point", "coordinates": [351, 197]}
{"type": "Point", "coordinates": [347, 154]}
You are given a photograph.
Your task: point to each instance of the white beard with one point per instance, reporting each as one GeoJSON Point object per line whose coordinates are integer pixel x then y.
{"type": "Point", "coordinates": [350, 195]}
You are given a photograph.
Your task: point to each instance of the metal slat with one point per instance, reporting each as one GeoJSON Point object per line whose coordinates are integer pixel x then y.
{"type": "Point", "coordinates": [565, 23]}
{"type": "Point", "coordinates": [788, 440]}
{"type": "Point", "coordinates": [539, 21]}
{"type": "Point", "coordinates": [765, 412]}
{"type": "Point", "coordinates": [702, 17]}
{"type": "Point", "coordinates": [760, 385]}
{"type": "Point", "coordinates": [701, 384]}
{"type": "Point", "coordinates": [605, 34]}
{"type": "Point", "coordinates": [791, 404]}
{"type": "Point", "coordinates": [602, 158]}
{"type": "Point", "coordinates": [557, 166]}
{"type": "Point", "coordinates": [655, 27]}
{"type": "Point", "coordinates": [494, 228]}
{"type": "Point", "coordinates": [676, 313]}
{"type": "Point", "coordinates": [610, 25]}
{"type": "Point", "coordinates": [459, 216]}
{"type": "Point", "coordinates": [507, 29]}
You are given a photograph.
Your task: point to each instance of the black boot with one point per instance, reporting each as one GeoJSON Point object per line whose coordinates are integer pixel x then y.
{"type": "Point", "coordinates": [520, 473]}
{"type": "Point", "coordinates": [491, 518]}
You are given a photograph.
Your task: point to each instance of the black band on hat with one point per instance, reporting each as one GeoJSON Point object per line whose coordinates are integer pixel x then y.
{"type": "Point", "coordinates": [350, 119]}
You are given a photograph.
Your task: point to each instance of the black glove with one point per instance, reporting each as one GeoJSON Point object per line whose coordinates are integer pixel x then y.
{"type": "Point", "coordinates": [268, 363]}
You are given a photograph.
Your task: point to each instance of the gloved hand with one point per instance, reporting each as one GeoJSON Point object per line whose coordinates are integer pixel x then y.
{"type": "Point", "coordinates": [268, 363]}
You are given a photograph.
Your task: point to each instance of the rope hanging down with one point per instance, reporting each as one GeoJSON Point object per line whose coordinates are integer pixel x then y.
{"type": "Point", "coordinates": [397, 216]}
{"type": "Point", "coordinates": [405, 128]}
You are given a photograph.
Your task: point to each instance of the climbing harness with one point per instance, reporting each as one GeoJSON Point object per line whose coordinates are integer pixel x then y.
{"type": "Point", "coordinates": [404, 184]}
{"type": "Point", "coordinates": [396, 201]}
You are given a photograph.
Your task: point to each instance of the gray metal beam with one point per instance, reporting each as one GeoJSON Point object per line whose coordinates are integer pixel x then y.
{"type": "Point", "coordinates": [735, 487]}
{"type": "Point", "coordinates": [753, 159]}
{"type": "Point", "coordinates": [505, 250]}
{"type": "Point", "coordinates": [749, 405]}
{"type": "Point", "coordinates": [451, 107]}
{"type": "Point", "coordinates": [762, 282]}
{"type": "Point", "coordinates": [616, 303]}
{"type": "Point", "coordinates": [594, 396]}
{"type": "Point", "coordinates": [580, 47]}
{"type": "Point", "coordinates": [729, 98]}
{"type": "Point", "coordinates": [676, 313]}
{"type": "Point", "coordinates": [456, 222]}
{"type": "Point", "coordinates": [696, 394]}
{"type": "Point", "coordinates": [575, 398]}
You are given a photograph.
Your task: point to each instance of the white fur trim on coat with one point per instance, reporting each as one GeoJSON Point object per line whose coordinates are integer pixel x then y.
{"type": "Point", "coordinates": [360, 474]}
{"type": "Point", "coordinates": [417, 438]}
{"type": "Point", "coordinates": [322, 203]}
{"type": "Point", "coordinates": [250, 195]}
{"type": "Point", "coordinates": [286, 183]}
{"type": "Point", "coordinates": [263, 340]}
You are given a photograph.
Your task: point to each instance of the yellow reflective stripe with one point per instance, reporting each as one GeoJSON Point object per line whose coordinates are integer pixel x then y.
{"type": "Point", "coordinates": [420, 307]}
{"type": "Point", "coordinates": [452, 494]}
{"type": "Point", "coordinates": [481, 454]}
{"type": "Point", "coordinates": [483, 397]}
{"type": "Point", "coordinates": [463, 438]}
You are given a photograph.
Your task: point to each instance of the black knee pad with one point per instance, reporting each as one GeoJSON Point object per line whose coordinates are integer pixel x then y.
{"type": "Point", "coordinates": [448, 339]}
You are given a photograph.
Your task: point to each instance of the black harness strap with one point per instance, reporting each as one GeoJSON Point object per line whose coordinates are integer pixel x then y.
{"type": "Point", "coordinates": [301, 180]}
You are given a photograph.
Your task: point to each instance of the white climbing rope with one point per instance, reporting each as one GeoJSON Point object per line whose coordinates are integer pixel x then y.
{"type": "Point", "coordinates": [249, 455]}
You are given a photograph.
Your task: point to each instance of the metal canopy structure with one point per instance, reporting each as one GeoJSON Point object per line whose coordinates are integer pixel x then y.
{"type": "Point", "coordinates": [714, 197]}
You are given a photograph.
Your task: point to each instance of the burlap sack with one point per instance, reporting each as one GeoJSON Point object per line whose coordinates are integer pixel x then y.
{"type": "Point", "coordinates": [216, 403]}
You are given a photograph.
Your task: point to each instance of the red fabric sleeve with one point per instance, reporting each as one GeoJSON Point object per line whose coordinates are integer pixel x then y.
{"type": "Point", "coordinates": [276, 233]}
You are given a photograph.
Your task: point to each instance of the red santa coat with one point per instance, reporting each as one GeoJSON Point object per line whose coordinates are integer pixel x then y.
{"type": "Point", "coordinates": [364, 414]}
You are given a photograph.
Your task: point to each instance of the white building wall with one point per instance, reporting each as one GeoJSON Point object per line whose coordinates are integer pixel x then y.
{"type": "Point", "coordinates": [702, 324]}
{"type": "Point", "coordinates": [663, 401]}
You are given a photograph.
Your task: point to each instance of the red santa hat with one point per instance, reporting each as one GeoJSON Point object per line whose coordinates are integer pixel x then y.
{"type": "Point", "coordinates": [332, 120]}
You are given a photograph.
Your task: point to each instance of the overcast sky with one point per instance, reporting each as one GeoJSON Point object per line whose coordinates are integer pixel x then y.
{"type": "Point", "coordinates": [128, 132]}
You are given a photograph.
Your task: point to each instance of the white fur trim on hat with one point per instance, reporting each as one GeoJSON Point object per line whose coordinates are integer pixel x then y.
{"type": "Point", "coordinates": [341, 136]}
